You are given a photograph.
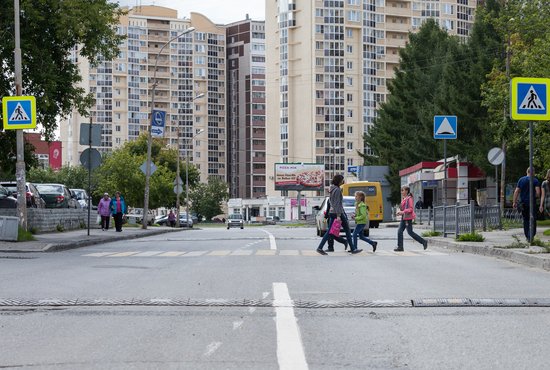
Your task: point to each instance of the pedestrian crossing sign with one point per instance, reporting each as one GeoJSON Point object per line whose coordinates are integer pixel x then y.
{"type": "Point", "coordinates": [19, 112]}
{"type": "Point", "coordinates": [530, 99]}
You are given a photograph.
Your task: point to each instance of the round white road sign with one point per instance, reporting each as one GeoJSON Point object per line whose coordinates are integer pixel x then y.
{"type": "Point", "coordinates": [495, 156]}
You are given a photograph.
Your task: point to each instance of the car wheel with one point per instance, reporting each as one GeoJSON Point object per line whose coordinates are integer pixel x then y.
{"type": "Point", "coordinates": [242, 227]}
{"type": "Point", "coordinates": [227, 227]}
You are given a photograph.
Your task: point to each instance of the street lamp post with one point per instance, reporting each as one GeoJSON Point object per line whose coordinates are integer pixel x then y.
{"type": "Point", "coordinates": [187, 176]}
{"type": "Point", "coordinates": [178, 170]}
{"type": "Point", "coordinates": [149, 137]}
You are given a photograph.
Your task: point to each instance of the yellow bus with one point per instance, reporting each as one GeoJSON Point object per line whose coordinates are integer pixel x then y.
{"type": "Point", "coordinates": [373, 193]}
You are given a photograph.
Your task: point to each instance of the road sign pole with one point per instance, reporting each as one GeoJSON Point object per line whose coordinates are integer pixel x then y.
{"type": "Point", "coordinates": [89, 172]}
{"type": "Point", "coordinates": [445, 187]}
{"type": "Point", "coordinates": [531, 194]}
{"type": "Point", "coordinates": [20, 163]}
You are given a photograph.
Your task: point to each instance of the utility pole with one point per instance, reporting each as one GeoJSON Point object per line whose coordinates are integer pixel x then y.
{"type": "Point", "coordinates": [20, 162]}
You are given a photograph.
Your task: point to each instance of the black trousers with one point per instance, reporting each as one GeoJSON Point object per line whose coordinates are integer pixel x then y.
{"type": "Point", "coordinates": [118, 221]}
{"type": "Point", "coordinates": [105, 220]}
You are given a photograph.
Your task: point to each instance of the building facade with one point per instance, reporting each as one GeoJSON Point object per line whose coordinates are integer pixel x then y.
{"type": "Point", "coordinates": [246, 107]}
{"type": "Point", "coordinates": [190, 87]}
{"type": "Point", "coordinates": [328, 63]}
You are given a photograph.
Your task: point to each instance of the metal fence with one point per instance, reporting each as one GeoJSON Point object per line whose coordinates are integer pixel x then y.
{"type": "Point", "coordinates": [463, 219]}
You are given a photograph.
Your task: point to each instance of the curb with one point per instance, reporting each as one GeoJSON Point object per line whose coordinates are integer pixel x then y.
{"type": "Point", "coordinates": [56, 247]}
{"type": "Point", "coordinates": [516, 256]}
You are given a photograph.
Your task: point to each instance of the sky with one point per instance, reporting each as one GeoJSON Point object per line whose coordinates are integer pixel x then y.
{"type": "Point", "coordinates": [218, 11]}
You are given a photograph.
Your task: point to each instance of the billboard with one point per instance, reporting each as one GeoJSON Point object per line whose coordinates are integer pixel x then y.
{"type": "Point", "coordinates": [299, 176]}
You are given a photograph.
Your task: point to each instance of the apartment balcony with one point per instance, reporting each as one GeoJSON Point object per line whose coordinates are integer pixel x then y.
{"type": "Point", "coordinates": [258, 171]}
{"type": "Point", "coordinates": [155, 50]}
{"type": "Point", "coordinates": [258, 183]}
{"type": "Point", "coordinates": [392, 58]}
{"type": "Point", "coordinates": [397, 11]}
{"type": "Point", "coordinates": [396, 43]}
{"type": "Point", "coordinates": [158, 26]}
{"type": "Point", "coordinates": [161, 63]}
{"type": "Point", "coordinates": [259, 148]}
{"type": "Point", "coordinates": [158, 38]}
{"type": "Point", "coordinates": [258, 159]}
{"type": "Point", "coordinates": [396, 26]}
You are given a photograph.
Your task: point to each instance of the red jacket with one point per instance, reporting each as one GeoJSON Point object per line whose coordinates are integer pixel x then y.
{"type": "Point", "coordinates": [407, 206]}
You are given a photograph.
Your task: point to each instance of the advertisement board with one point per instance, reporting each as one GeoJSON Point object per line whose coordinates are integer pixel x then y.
{"type": "Point", "coordinates": [299, 176]}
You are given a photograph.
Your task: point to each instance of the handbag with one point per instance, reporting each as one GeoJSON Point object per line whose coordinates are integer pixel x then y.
{"type": "Point", "coordinates": [335, 227]}
{"type": "Point", "coordinates": [98, 220]}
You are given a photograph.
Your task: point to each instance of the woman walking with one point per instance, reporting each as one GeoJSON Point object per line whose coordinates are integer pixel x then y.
{"type": "Point", "coordinates": [337, 212]}
{"type": "Point", "coordinates": [407, 216]}
{"type": "Point", "coordinates": [118, 209]}
{"type": "Point", "coordinates": [361, 218]}
{"type": "Point", "coordinates": [104, 210]}
{"type": "Point", "coordinates": [545, 196]}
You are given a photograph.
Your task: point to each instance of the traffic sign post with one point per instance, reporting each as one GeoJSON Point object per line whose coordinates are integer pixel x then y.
{"type": "Point", "coordinates": [157, 123]}
{"type": "Point", "coordinates": [445, 127]}
{"type": "Point", "coordinates": [496, 157]}
{"type": "Point", "coordinates": [530, 99]}
{"type": "Point", "coordinates": [19, 112]}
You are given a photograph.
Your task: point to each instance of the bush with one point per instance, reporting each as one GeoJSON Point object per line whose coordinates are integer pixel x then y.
{"type": "Point", "coordinates": [60, 228]}
{"type": "Point", "coordinates": [471, 237]}
{"type": "Point", "coordinates": [431, 233]}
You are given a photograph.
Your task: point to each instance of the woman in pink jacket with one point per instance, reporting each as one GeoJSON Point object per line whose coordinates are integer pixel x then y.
{"type": "Point", "coordinates": [104, 211]}
{"type": "Point", "coordinates": [407, 216]}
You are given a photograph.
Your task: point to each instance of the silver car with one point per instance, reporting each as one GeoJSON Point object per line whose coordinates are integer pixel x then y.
{"type": "Point", "coordinates": [349, 207]}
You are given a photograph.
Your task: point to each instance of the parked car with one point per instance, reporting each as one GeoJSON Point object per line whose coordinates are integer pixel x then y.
{"type": "Point", "coordinates": [137, 215]}
{"type": "Point", "coordinates": [57, 196]}
{"type": "Point", "coordinates": [349, 208]}
{"type": "Point", "coordinates": [82, 197]}
{"type": "Point", "coordinates": [6, 200]}
{"type": "Point", "coordinates": [33, 195]}
{"type": "Point", "coordinates": [184, 221]}
{"type": "Point", "coordinates": [235, 220]}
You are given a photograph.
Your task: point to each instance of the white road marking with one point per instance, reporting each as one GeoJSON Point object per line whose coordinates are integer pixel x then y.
{"type": "Point", "coordinates": [211, 348]}
{"type": "Point", "coordinates": [272, 243]}
{"type": "Point", "coordinates": [251, 309]}
{"type": "Point", "coordinates": [265, 295]}
{"type": "Point", "coordinates": [237, 324]}
{"type": "Point", "coordinates": [290, 350]}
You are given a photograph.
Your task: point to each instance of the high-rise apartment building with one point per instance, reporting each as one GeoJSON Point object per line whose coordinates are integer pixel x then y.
{"type": "Point", "coordinates": [246, 109]}
{"type": "Point", "coordinates": [190, 87]}
{"type": "Point", "coordinates": [328, 62]}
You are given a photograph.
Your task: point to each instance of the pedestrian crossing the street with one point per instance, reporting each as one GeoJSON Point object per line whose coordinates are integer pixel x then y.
{"type": "Point", "coordinates": [257, 252]}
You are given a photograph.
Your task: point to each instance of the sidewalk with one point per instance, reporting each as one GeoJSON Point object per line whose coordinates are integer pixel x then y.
{"type": "Point", "coordinates": [57, 241]}
{"type": "Point", "coordinates": [531, 256]}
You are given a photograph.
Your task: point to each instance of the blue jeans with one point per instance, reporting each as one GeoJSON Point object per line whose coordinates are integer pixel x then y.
{"type": "Point", "coordinates": [345, 226]}
{"type": "Point", "coordinates": [358, 232]}
{"type": "Point", "coordinates": [407, 224]}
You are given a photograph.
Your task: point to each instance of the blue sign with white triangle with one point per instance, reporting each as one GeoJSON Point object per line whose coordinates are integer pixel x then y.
{"type": "Point", "coordinates": [445, 127]}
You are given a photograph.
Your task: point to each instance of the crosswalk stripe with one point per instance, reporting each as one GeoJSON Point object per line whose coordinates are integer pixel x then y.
{"type": "Point", "coordinates": [194, 254]}
{"type": "Point", "coordinates": [123, 254]}
{"type": "Point", "coordinates": [171, 254]}
{"type": "Point", "coordinates": [147, 254]}
{"type": "Point", "coordinates": [263, 252]}
{"type": "Point", "coordinates": [241, 253]}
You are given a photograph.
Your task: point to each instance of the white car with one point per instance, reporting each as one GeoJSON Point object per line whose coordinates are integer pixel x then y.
{"type": "Point", "coordinates": [235, 220]}
{"type": "Point", "coordinates": [349, 208]}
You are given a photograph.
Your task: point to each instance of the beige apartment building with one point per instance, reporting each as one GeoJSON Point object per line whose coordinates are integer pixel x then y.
{"type": "Point", "coordinates": [327, 65]}
{"type": "Point", "coordinates": [191, 88]}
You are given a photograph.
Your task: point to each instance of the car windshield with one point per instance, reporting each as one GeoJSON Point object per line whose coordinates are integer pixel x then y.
{"type": "Point", "coordinates": [235, 217]}
{"type": "Point", "coordinates": [349, 202]}
{"type": "Point", "coordinates": [50, 188]}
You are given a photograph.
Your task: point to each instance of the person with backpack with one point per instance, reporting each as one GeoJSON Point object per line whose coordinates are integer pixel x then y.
{"type": "Point", "coordinates": [361, 219]}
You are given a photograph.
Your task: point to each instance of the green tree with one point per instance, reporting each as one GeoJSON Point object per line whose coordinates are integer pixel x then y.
{"type": "Point", "coordinates": [523, 26]}
{"type": "Point", "coordinates": [50, 31]}
{"type": "Point", "coordinates": [120, 171]}
{"type": "Point", "coordinates": [438, 75]}
{"type": "Point", "coordinates": [207, 198]}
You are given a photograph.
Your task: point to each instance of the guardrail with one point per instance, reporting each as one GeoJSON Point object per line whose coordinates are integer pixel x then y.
{"type": "Point", "coordinates": [462, 219]}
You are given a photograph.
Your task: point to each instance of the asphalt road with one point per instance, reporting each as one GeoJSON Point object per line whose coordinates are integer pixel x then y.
{"type": "Point", "coordinates": [261, 298]}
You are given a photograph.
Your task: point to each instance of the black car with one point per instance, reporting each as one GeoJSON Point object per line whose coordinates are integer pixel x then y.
{"type": "Point", "coordinates": [57, 196]}
{"type": "Point", "coordinates": [33, 195]}
{"type": "Point", "coordinates": [6, 200]}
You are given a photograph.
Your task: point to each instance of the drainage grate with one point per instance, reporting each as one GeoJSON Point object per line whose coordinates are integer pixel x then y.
{"type": "Point", "coordinates": [425, 302]}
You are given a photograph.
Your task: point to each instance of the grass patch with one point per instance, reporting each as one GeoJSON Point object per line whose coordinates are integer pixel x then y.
{"type": "Point", "coordinates": [543, 223]}
{"type": "Point", "coordinates": [431, 233]}
{"type": "Point", "coordinates": [508, 224]}
{"type": "Point", "coordinates": [471, 237]}
{"type": "Point", "coordinates": [24, 235]}
{"type": "Point", "coordinates": [546, 232]}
